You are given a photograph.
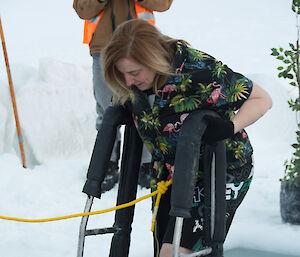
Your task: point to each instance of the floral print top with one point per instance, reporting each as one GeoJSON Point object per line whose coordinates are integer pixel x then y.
{"type": "Point", "coordinates": [202, 83]}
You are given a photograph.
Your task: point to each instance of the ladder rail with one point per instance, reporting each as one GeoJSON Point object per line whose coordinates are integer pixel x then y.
{"type": "Point", "coordinates": [130, 163]}
{"type": "Point", "coordinates": [131, 158]}
{"type": "Point", "coordinates": [215, 200]}
{"type": "Point", "coordinates": [204, 252]}
{"type": "Point", "coordinates": [214, 167]}
{"type": "Point", "coordinates": [83, 225]}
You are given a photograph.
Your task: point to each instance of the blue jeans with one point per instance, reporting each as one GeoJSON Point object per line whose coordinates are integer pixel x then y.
{"type": "Point", "coordinates": [103, 96]}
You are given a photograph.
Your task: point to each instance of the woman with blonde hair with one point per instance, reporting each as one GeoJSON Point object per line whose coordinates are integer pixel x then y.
{"type": "Point", "coordinates": [166, 80]}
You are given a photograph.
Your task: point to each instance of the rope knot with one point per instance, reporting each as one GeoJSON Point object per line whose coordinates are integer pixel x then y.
{"type": "Point", "coordinates": [162, 187]}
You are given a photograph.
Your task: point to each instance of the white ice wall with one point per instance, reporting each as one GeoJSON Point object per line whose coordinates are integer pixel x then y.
{"type": "Point", "coordinates": [56, 110]}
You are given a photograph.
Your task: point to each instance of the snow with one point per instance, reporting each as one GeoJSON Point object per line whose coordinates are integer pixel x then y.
{"type": "Point", "coordinates": [51, 72]}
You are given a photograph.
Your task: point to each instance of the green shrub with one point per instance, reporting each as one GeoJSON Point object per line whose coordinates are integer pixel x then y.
{"type": "Point", "coordinates": [290, 70]}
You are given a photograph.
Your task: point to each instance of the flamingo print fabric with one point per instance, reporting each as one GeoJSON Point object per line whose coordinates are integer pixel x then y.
{"type": "Point", "coordinates": [201, 83]}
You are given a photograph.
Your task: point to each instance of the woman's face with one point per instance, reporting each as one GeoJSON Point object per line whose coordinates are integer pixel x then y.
{"type": "Point", "coordinates": [136, 74]}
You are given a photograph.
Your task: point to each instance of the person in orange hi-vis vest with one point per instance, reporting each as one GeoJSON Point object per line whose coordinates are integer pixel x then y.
{"type": "Point", "coordinates": [101, 17]}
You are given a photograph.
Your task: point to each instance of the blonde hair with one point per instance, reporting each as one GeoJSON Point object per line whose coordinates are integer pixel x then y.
{"type": "Point", "coordinates": [141, 41]}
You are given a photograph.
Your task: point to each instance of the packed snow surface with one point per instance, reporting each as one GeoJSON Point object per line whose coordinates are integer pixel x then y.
{"type": "Point", "coordinates": [51, 72]}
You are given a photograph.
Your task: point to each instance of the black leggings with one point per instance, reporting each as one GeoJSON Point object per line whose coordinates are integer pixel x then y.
{"type": "Point", "coordinates": [237, 185]}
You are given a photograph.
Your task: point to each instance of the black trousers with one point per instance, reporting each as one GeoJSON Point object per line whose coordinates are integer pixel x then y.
{"type": "Point", "coordinates": [237, 185]}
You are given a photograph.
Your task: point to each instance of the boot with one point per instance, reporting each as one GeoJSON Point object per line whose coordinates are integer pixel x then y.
{"type": "Point", "coordinates": [112, 175]}
{"type": "Point", "coordinates": [145, 175]}
{"type": "Point", "coordinates": [111, 178]}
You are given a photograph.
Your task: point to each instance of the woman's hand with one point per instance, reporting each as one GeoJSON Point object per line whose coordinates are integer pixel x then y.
{"type": "Point", "coordinates": [217, 129]}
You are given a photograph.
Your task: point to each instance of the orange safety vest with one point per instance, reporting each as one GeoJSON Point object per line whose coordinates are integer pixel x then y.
{"type": "Point", "coordinates": [91, 25]}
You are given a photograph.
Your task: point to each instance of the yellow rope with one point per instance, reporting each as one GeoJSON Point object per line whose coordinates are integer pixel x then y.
{"type": "Point", "coordinates": [162, 187]}
{"type": "Point", "coordinates": [125, 205]}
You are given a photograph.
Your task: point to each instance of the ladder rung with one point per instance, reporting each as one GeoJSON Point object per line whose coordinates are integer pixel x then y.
{"type": "Point", "coordinates": [203, 252]}
{"type": "Point", "coordinates": [99, 231]}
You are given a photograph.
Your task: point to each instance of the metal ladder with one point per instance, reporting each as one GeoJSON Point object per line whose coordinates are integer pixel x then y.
{"type": "Point", "coordinates": [83, 232]}
{"type": "Point", "coordinates": [129, 171]}
{"type": "Point", "coordinates": [214, 207]}
{"type": "Point", "coordinates": [214, 212]}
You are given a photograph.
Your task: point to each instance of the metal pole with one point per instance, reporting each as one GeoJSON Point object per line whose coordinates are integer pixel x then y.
{"type": "Point", "coordinates": [12, 93]}
{"type": "Point", "coordinates": [177, 236]}
{"type": "Point", "coordinates": [213, 195]}
{"type": "Point", "coordinates": [83, 224]}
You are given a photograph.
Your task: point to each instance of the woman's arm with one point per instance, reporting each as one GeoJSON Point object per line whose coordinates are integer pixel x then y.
{"type": "Point", "coordinates": [258, 103]}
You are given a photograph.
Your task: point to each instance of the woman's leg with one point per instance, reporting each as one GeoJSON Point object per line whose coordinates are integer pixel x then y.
{"type": "Point", "coordinates": [166, 250]}
{"type": "Point", "coordinates": [192, 230]}
{"type": "Point", "coordinates": [237, 185]}
{"type": "Point", "coordinates": [162, 221]}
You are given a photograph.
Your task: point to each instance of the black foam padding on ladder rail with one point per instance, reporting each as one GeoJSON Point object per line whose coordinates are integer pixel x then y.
{"type": "Point", "coordinates": [220, 184]}
{"type": "Point", "coordinates": [112, 118]}
{"type": "Point", "coordinates": [187, 163]}
{"type": "Point", "coordinates": [215, 235]}
{"type": "Point", "coordinates": [131, 159]}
